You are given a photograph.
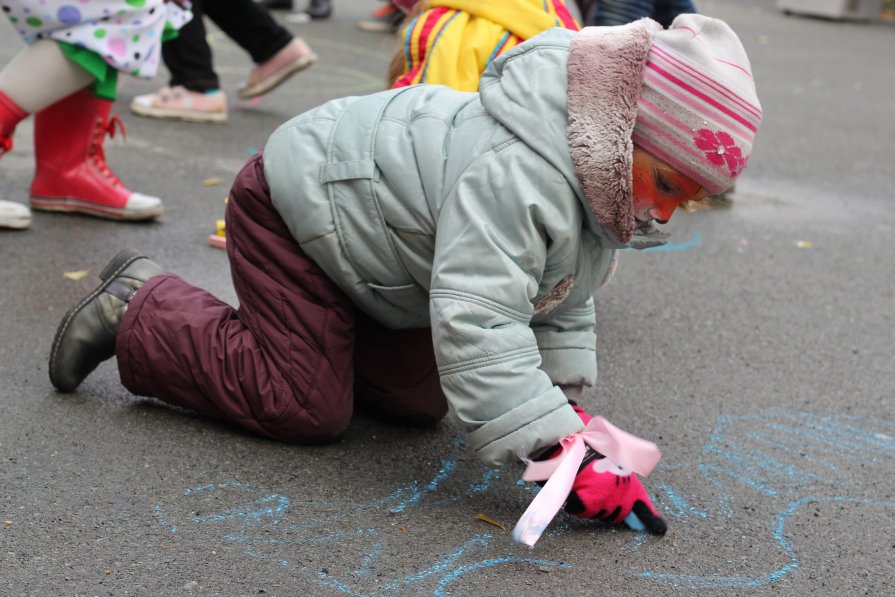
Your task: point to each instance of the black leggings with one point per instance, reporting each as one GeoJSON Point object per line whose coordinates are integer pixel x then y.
{"type": "Point", "coordinates": [188, 56]}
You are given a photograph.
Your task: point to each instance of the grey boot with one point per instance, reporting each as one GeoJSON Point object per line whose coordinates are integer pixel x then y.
{"type": "Point", "coordinates": [86, 336]}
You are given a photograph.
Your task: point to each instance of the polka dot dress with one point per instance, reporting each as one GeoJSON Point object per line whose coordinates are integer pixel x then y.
{"type": "Point", "coordinates": [127, 34]}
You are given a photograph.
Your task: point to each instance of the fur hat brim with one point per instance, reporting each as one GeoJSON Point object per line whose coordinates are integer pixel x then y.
{"type": "Point", "coordinates": [605, 76]}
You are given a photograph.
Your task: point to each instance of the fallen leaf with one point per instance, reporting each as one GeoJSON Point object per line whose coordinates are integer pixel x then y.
{"type": "Point", "coordinates": [212, 182]}
{"type": "Point", "coordinates": [484, 518]}
{"type": "Point", "coordinates": [79, 275]}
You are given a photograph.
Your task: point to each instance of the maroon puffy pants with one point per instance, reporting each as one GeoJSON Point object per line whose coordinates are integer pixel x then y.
{"type": "Point", "coordinates": [296, 356]}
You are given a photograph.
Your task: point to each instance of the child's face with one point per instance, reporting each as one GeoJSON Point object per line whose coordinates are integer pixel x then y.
{"type": "Point", "coordinates": [659, 189]}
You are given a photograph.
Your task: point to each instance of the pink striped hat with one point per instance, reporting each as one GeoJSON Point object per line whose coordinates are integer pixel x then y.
{"type": "Point", "coordinates": [698, 110]}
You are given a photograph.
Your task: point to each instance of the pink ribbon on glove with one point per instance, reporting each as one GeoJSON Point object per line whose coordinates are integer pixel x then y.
{"type": "Point", "coordinates": [621, 447]}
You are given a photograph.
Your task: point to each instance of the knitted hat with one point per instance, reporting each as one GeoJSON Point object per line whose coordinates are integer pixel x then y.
{"type": "Point", "coordinates": [698, 110]}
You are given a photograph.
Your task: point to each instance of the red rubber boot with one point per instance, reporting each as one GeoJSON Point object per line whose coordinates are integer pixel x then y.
{"type": "Point", "coordinates": [12, 215]}
{"type": "Point", "coordinates": [72, 174]}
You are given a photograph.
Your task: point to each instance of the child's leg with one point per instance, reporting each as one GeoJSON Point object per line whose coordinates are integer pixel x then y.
{"type": "Point", "coordinates": [250, 26]}
{"type": "Point", "coordinates": [35, 78]}
{"type": "Point", "coordinates": [280, 365]}
{"type": "Point", "coordinates": [396, 377]}
{"type": "Point", "coordinates": [71, 174]}
{"type": "Point", "coordinates": [57, 76]}
{"type": "Point", "coordinates": [188, 56]}
{"type": "Point", "coordinates": [194, 92]}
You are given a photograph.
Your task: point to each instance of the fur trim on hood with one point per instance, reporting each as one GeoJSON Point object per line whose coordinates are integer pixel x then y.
{"type": "Point", "coordinates": [605, 76]}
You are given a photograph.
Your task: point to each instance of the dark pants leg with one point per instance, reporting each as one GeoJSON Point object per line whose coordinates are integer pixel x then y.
{"type": "Point", "coordinates": [251, 26]}
{"type": "Point", "coordinates": [189, 57]}
{"type": "Point", "coordinates": [290, 362]}
{"type": "Point", "coordinates": [281, 365]}
{"type": "Point", "coordinates": [396, 377]}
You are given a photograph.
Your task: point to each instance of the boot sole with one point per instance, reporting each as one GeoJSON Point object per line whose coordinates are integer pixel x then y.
{"type": "Point", "coordinates": [117, 265]}
{"type": "Point", "coordinates": [183, 115]}
{"type": "Point", "coordinates": [70, 205]}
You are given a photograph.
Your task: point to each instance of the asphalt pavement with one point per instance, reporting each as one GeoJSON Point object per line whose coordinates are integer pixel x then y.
{"type": "Point", "coordinates": [756, 350]}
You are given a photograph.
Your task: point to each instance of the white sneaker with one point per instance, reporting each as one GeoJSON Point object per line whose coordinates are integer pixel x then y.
{"type": "Point", "coordinates": [14, 215]}
{"type": "Point", "coordinates": [142, 207]}
{"type": "Point", "coordinates": [179, 103]}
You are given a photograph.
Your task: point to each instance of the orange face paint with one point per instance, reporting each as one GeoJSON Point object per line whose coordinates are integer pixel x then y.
{"type": "Point", "coordinates": [659, 189]}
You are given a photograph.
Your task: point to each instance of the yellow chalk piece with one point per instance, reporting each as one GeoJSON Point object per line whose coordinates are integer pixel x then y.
{"type": "Point", "coordinates": [484, 518]}
{"type": "Point", "coordinates": [212, 182]}
{"type": "Point", "coordinates": [219, 227]}
{"type": "Point", "coordinates": [80, 275]}
{"type": "Point", "coordinates": [803, 244]}
{"type": "Point", "coordinates": [7, 523]}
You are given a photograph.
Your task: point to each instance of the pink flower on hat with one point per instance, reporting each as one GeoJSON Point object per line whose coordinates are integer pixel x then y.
{"type": "Point", "coordinates": [720, 149]}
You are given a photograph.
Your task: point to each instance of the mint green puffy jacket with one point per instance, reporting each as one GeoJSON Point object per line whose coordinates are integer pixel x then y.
{"type": "Point", "coordinates": [465, 212]}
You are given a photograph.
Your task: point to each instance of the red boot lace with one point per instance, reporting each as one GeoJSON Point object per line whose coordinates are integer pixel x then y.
{"type": "Point", "coordinates": [95, 150]}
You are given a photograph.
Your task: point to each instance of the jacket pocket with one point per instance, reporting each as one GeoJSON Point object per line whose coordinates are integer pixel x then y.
{"type": "Point", "coordinates": [412, 300]}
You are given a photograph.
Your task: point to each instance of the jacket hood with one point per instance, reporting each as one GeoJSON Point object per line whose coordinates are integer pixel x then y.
{"type": "Point", "coordinates": [572, 97]}
{"type": "Point", "coordinates": [606, 68]}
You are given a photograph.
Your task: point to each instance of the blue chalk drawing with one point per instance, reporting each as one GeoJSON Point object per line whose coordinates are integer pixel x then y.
{"type": "Point", "coordinates": [788, 459]}
{"type": "Point", "coordinates": [778, 456]}
{"type": "Point", "coordinates": [417, 493]}
{"type": "Point", "coordinates": [676, 506]}
{"type": "Point", "coordinates": [162, 517]}
{"type": "Point", "coordinates": [263, 527]}
{"type": "Point", "coordinates": [455, 574]}
{"type": "Point", "coordinates": [268, 507]}
{"type": "Point", "coordinates": [686, 581]}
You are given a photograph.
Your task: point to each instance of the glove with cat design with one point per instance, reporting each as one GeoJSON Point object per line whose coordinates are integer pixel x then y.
{"type": "Point", "coordinates": [606, 491]}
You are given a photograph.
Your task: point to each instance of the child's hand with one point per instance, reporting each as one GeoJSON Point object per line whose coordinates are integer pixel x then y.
{"type": "Point", "coordinates": [591, 484]}
{"type": "Point", "coordinates": [608, 492]}
{"type": "Point", "coordinates": [612, 494]}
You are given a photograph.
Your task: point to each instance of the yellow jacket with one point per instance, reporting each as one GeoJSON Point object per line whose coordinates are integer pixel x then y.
{"type": "Point", "coordinates": [453, 41]}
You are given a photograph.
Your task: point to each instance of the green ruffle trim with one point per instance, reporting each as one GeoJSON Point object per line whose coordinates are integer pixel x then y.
{"type": "Point", "coordinates": [106, 84]}
{"type": "Point", "coordinates": [169, 32]}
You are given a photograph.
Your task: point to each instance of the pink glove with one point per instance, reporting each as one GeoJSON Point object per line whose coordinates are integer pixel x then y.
{"type": "Point", "coordinates": [610, 493]}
